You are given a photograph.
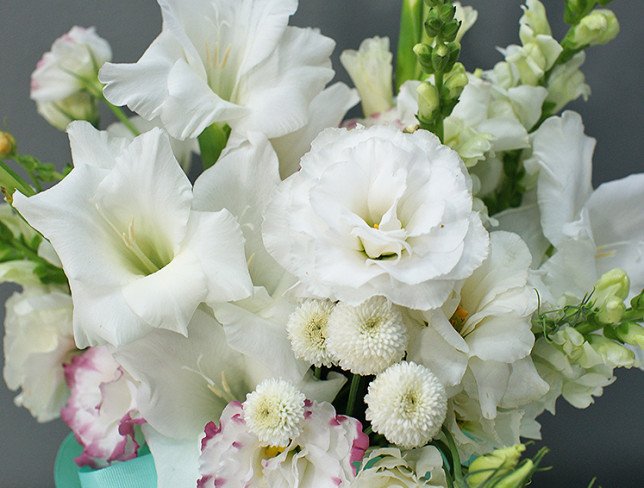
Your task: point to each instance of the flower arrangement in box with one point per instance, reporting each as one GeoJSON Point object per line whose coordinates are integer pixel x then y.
{"type": "Point", "coordinates": [388, 300]}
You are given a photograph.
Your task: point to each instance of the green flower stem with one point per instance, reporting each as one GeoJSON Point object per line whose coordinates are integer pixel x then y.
{"type": "Point", "coordinates": [124, 119]}
{"type": "Point", "coordinates": [459, 480]}
{"type": "Point", "coordinates": [11, 180]}
{"type": "Point", "coordinates": [411, 33]}
{"type": "Point", "coordinates": [212, 142]}
{"type": "Point", "coordinates": [439, 130]}
{"type": "Point", "coordinates": [353, 394]}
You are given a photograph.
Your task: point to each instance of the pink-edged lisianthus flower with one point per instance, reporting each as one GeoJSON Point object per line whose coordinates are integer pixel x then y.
{"type": "Point", "coordinates": [101, 410]}
{"type": "Point", "coordinates": [321, 456]}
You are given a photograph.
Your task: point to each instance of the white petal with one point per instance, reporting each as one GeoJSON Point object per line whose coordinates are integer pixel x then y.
{"type": "Point", "coordinates": [503, 338]}
{"type": "Point", "coordinates": [176, 461]}
{"type": "Point", "coordinates": [526, 222]}
{"type": "Point", "coordinates": [93, 147]}
{"type": "Point", "coordinates": [564, 157]}
{"type": "Point", "coordinates": [616, 214]}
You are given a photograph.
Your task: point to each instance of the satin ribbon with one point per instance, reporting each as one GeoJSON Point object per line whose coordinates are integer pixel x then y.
{"type": "Point", "coordinates": [136, 473]}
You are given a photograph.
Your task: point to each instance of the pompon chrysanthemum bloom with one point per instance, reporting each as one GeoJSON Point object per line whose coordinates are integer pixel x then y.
{"type": "Point", "coordinates": [308, 330]}
{"type": "Point", "coordinates": [57, 84]}
{"type": "Point", "coordinates": [367, 338]}
{"type": "Point", "coordinates": [274, 412]}
{"type": "Point", "coordinates": [377, 212]}
{"type": "Point", "coordinates": [321, 456]}
{"type": "Point", "coordinates": [407, 404]}
{"type": "Point", "coordinates": [101, 410]}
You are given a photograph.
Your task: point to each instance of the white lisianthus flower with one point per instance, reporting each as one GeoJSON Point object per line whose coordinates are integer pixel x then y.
{"type": "Point", "coordinates": [101, 410]}
{"type": "Point", "coordinates": [308, 330]}
{"type": "Point", "coordinates": [234, 62]}
{"type": "Point", "coordinates": [368, 338]}
{"type": "Point", "coordinates": [407, 404]}
{"type": "Point", "coordinates": [58, 83]}
{"type": "Point", "coordinates": [377, 212]}
{"type": "Point", "coordinates": [486, 330]}
{"type": "Point", "coordinates": [136, 253]}
{"type": "Point", "coordinates": [371, 70]}
{"type": "Point", "coordinates": [388, 466]}
{"type": "Point", "coordinates": [182, 150]}
{"type": "Point", "coordinates": [38, 342]}
{"type": "Point", "coordinates": [274, 412]}
{"type": "Point", "coordinates": [321, 456]}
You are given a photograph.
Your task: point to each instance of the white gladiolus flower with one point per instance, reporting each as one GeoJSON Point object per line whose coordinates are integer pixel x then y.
{"type": "Point", "coordinates": [38, 342]}
{"type": "Point", "coordinates": [368, 338]}
{"type": "Point", "coordinates": [274, 412]}
{"type": "Point", "coordinates": [370, 69]}
{"type": "Point", "coordinates": [407, 404]}
{"type": "Point", "coordinates": [182, 150]}
{"type": "Point", "coordinates": [136, 253]}
{"type": "Point", "coordinates": [377, 212]}
{"type": "Point", "coordinates": [58, 83]}
{"type": "Point", "coordinates": [234, 62]}
{"type": "Point", "coordinates": [308, 330]}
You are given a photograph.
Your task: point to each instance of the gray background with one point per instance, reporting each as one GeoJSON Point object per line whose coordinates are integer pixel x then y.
{"type": "Point", "coordinates": [604, 440]}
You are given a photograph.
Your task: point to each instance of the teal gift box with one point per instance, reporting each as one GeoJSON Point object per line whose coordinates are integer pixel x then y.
{"type": "Point", "coordinates": [136, 473]}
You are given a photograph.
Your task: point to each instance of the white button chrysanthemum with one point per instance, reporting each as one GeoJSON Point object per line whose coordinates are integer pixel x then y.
{"type": "Point", "coordinates": [274, 412]}
{"type": "Point", "coordinates": [407, 404]}
{"type": "Point", "coordinates": [307, 329]}
{"type": "Point", "coordinates": [368, 338]}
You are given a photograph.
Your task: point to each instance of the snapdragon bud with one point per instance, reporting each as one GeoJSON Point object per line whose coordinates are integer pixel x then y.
{"type": "Point", "coordinates": [498, 461]}
{"type": "Point", "coordinates": [598, 27]}
{"type": "Point", "coordinates": [613, 354]}
{"type": "Point", "coordinates": [534, 15]}
{"type": "Point", "coordinates": [428, 101]}
{"type": "Point", "coordinates": [630, 333]}
{"type": "Point", "coordinates": [610, 292]}
{"type": "Point", "coordinates": [456, 81]}
{"type": "Point", "coordinates": [7, 145]}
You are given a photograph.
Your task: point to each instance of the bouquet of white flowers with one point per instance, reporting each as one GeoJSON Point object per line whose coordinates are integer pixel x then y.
{"type": "Point", "coordinates": [390, 300]}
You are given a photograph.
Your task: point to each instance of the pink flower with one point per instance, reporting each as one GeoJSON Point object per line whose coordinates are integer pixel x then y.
{"type": "Point", "coordinates": [100, 410]}
{"type": "Point", "coordinates": [323, 455]}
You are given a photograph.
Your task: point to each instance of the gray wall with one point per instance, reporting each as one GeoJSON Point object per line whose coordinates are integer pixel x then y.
{"type": "Point", "coordinates": [604, 440]}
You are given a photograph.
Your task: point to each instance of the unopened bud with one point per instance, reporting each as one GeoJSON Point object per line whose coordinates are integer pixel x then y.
{"type": "Point", "coordinates": [630, 333]}
{"type": "Point", "coordinates": [500, 460]}
{"type": "Point", "coordinates": [598, 27]}
{"type": "Point", "coordinates": [456, 81]}
{"type": "Point", "coordinates": [535, 16]}
{"type": "Point", "coordinates": [7, 144]}
{"type": "Point", "coordinates": [610, 291]}
{"type": "Point", "coordinates": [517, 477]}
{"type": "Point", "coordinates": [428, 101]}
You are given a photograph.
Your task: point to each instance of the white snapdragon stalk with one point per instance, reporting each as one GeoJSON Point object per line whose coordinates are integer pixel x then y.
{"type": "Point", "coordinates": [388, 466]}
{"type": "Point", "coordinates": [371, 71]}
{"type": "Point", "coordinates": [38, 342]}
{"type": "Point", "coordinates": [59, 81]}
{"type": "Point", "coordinates": [485, 331]}
{"type": "Point", "coordinates": [101, 410]}
{"type": "Point", "coordinates": [136, 253]}
{"type": "Point", "coordinates": [369, 214]}
{"type": "Point", "coordinates": [322, 455]}
{"type": "Point", "coordinates": [567, 83]}
{"type": "Point", "coordinates": [234, 62]}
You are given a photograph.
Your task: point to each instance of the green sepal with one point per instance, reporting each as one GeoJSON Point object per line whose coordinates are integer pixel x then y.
{"type": "Point", "coordinates": [212, 142]}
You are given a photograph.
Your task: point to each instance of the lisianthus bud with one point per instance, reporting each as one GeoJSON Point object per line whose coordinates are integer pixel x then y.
{"type": "Point", "coordinates": [7, 144]}
{"type": "Point", "coordinates": [483, 467]}
{"type": "Point", "coordinates": [630, 333]}
{"type": "Point", "coordinates": [598, 27]}
{"type": "Point", "coordinates": [615, 355]}
{"type": "Point", "coordinates": [428, 101]}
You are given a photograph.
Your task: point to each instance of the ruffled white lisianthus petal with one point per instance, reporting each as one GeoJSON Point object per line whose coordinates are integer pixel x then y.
{"type": "Point", "coordinates": [563, 155]}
